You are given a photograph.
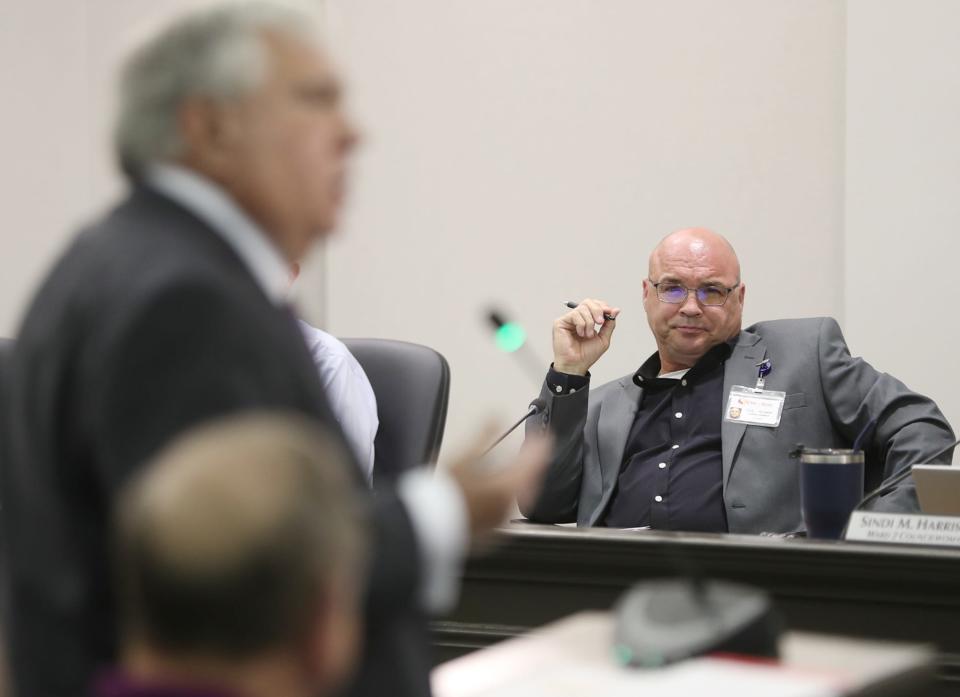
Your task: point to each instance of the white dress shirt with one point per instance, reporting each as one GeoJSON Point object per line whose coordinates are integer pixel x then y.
{"type": "Point", "coordinates": [433, 500]}
{"type": "Point", "coordinates": [349, 392]}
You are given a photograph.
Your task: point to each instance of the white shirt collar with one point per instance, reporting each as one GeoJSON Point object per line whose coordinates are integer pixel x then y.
{"type": "Point", "coordinates": [211, 204]}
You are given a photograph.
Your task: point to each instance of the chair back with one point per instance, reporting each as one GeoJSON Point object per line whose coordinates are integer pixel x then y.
{"type": "Point", "coordinates": [412, 386]}
{"type": "Point", "coordinates": [6, 349]}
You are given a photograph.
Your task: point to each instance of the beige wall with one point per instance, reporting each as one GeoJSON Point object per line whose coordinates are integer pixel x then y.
{"type": "Point", "coordinates": [903, 192]}
{"type": "Point", "coordinates": [523, 152]}
{"type": "Point", "coordinates": [44, 177]}
{"type": "Point", "coordinates": [57, 62]}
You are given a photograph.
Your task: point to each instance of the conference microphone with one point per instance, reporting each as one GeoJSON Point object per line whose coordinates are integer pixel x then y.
{"type": "Point", "coordinates": [889, 486]}
{"type": "Point", "coordinates": [536, 407]}
{"type": "Point", "coordinates": [663, 621]}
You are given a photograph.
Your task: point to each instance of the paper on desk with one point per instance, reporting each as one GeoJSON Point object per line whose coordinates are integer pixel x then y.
{"type": "Point", "coordinates": [637, 529]}
{"type": "Point", "coordinates": [572, 657]}
{"type": "Point", "coordinates": [720, 677]}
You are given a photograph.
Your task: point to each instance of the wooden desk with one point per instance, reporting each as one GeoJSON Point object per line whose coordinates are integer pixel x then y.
{"type": "Point", "coordinates": [539, 574]}
{"type": "Point", "coordinates": [573, 657]}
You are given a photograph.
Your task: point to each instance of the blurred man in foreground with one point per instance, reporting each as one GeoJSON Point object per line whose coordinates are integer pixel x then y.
{"type": "Point", "coordinates": [698, 438]}
{"type": "Point", "coordinates": [170, 311]}
{"type": "Point", "coordinates": [240, 552]}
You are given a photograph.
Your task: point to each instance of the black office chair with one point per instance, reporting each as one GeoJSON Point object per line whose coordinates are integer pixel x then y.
{"type": "Point", "coordinates": [412, 386]}
{"type": "Point", "coordinates": [6, 349]}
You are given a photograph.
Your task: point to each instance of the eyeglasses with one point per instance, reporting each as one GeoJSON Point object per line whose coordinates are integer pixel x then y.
{"type": "Point", "coordinates": [676, 294]}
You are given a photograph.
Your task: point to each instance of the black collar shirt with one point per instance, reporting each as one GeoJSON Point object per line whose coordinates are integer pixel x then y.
{"type": "Point", "coordinates": [671, 477]}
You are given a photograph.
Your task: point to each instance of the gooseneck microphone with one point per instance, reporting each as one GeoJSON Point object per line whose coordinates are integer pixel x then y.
{"type": "Point", "coordinates": [536, 407]}
{"type": "Point", "coordinates": [889, 486]}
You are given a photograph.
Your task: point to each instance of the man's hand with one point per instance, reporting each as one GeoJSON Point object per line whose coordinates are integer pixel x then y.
{"type": "Point", "coordinates": [489, 488]}
{"type": "Point", "coordinates": [577, 344]}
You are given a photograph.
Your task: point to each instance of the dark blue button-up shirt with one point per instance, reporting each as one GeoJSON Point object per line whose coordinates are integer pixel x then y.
{"type": "Point", "coordinates": [671, 477]}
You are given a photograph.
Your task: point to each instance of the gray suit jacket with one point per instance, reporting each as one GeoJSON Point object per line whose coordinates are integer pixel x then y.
{"type": "Point", "coordinates": [831, 396]}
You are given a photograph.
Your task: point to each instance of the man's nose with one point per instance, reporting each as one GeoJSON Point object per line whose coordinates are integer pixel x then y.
{"type": "Point", "coordinates": [690, 307]}
{"type": "Point", "coordinates": [354, 138]}
{"type": "Point", "coordinates": [350, 135]}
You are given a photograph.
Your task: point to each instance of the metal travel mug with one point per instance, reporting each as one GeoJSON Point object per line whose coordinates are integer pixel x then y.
{"type": "Point", "coordinates": [831, 486]}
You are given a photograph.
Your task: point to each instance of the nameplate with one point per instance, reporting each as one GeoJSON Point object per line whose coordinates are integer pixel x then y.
{"type": "Point", "coordinates": [904, 529]}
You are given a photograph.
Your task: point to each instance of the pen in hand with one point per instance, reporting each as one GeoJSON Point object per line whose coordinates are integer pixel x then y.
{"type": "Point", "coordinates": [572, 305]}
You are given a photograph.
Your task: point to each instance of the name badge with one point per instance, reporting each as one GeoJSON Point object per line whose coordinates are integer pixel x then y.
{"type": "Point", "coordinates": [754, 406]}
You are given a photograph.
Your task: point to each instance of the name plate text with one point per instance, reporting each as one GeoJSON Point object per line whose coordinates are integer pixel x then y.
{"type": "Point", "coordinates": [904, 528]}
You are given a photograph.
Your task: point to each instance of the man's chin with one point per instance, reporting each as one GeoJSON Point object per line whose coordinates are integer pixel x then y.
{"type": "Point", "coordinates": [691, 339]}
{"type": "Point", "coordinates": [301, 245]}
{"type": "Point", "coordinates": [326, 223]}
{"type": "Point", "coordinates": [323, 226]}
{"type": "Point", "coordinates": [692, 346]}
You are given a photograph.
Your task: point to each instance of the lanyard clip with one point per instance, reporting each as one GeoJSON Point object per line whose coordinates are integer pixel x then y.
{"type": "Point", "coordinates": [763, 370]}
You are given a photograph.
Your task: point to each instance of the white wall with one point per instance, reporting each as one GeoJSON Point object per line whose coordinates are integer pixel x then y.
{"type": "Point", "coordinates": [57, 69]}
{"type": "Point", "coordinates": [43, 140]}
{"type": "Point", "coordinates": [903, 192]}
{"type": "Point", "coordinates": [523, 152]}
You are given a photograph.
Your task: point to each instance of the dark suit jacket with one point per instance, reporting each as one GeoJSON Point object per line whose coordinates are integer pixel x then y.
{"type": "Point", "coordinates": [830, 397]}
{"type": "Point", "coordinates": [148, 325]}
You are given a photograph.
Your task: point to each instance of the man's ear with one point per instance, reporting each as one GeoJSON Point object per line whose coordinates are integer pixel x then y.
{"type": "Point", "coordinates": [208, 129]}
{"type": "Point", "coordinates": [334, 638]}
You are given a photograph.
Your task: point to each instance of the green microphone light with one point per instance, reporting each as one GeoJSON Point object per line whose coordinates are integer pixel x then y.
{"type": "Point", "coordinates": [508, 336]}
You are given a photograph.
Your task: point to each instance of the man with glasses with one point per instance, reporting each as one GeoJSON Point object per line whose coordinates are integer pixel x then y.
{"type": "Point", "coordinates": [676, 445]}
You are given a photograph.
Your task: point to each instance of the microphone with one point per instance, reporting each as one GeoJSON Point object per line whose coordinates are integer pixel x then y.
{"type": "Point", "coordinates": [889, 486]}
{"type": "Point", "coordinates": [536, 407]}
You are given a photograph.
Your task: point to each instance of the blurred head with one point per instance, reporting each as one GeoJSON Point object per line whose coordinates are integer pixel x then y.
{"type": "Point", "coordinates": [692, 259]}
{"type": "Point", "coordinates": [241, 546]}
{"type": "Point", "coordinates": [243, 94]}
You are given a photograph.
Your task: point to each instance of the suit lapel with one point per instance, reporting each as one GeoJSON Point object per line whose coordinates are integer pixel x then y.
{"type": "Point", "coordinates": [740, 369]}
{"type": "Point", "coordinates": [616, 419]}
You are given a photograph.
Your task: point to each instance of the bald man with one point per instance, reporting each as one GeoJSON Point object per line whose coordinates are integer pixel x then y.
{"type": "Point", "coordinates": [240, 554]}
{"type": "Point", "coordinates": [676, 446]}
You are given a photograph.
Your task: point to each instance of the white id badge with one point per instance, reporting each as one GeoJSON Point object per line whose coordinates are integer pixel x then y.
{"type": "Point", "coordinates": [749, 405]}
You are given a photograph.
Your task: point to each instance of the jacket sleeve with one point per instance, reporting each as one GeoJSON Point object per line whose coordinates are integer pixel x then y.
{"type": "Point", "coordinates": [565, 418]}
{"type": "Point", "coordinates": [909, 427]}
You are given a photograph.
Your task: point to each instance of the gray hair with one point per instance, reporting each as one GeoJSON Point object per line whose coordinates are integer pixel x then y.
{"type": "Point", "coordinates": [216, 52]}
